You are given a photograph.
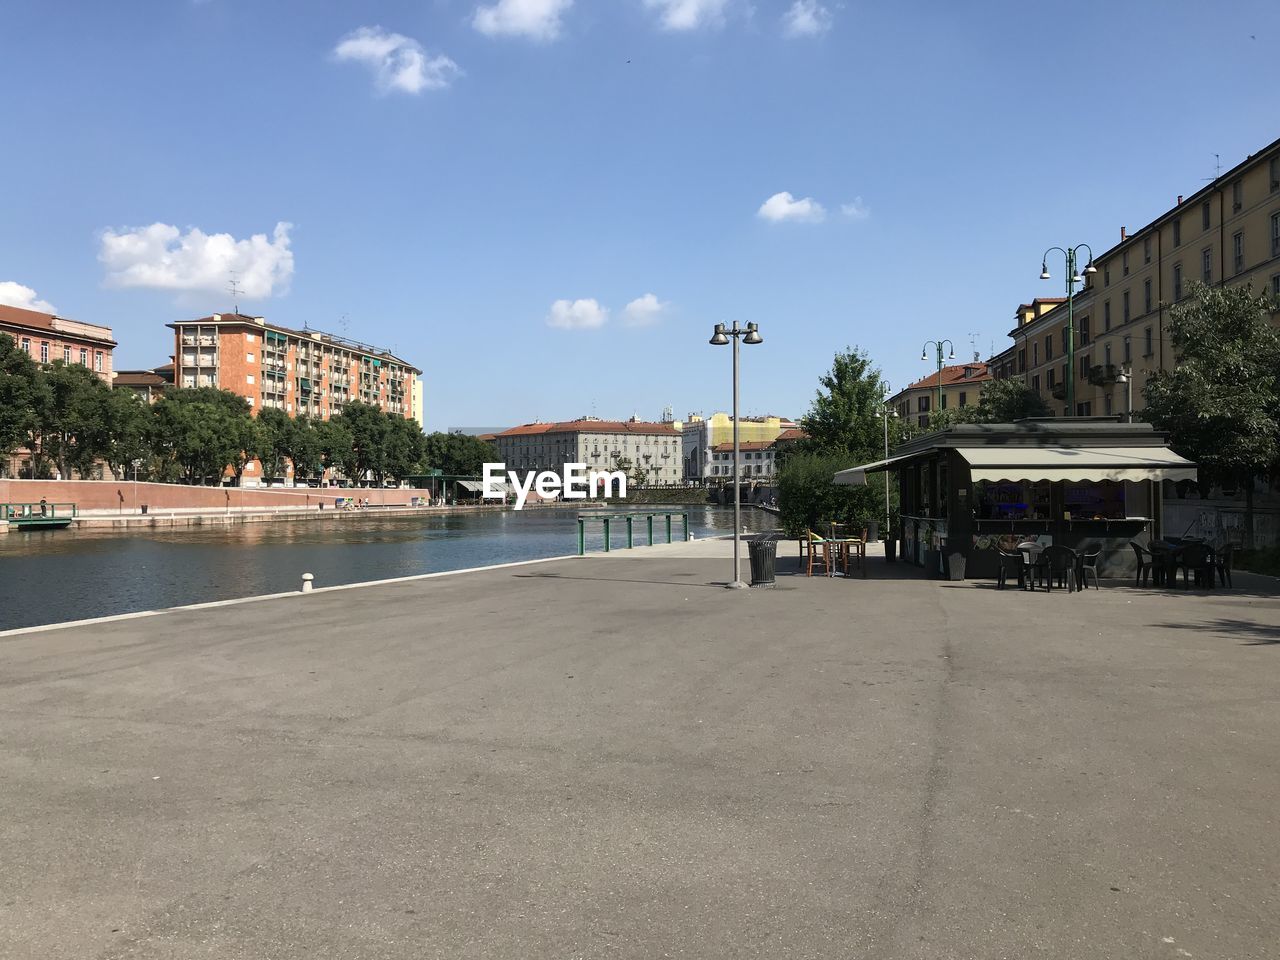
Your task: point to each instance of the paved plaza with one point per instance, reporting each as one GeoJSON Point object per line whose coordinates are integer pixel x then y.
{"type": "Point", "coordinates": [616, 757]}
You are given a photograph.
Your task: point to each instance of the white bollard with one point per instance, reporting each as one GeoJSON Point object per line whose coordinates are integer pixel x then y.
{"type": "Point", "coordinates": [306, 582]}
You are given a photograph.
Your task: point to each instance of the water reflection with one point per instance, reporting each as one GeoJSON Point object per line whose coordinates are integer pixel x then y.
{"type": "Point", "coordinates": [52, 576]}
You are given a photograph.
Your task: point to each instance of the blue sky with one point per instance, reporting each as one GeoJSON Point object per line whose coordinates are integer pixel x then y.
{"type": "Point", "coordinates": [487, 185]}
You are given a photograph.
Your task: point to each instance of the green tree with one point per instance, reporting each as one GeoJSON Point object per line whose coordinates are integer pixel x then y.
{"type": "Point", "coordinates": [203, 431]}
{"type": "Point", "coordinates": [405, 446]}
{"type": "Point", "coordinates": [303, 447]}
{"type": "Point", "coordinates": [842, 418]}
{"type": "Point", "coordinates": [273, 440]}
{"type": "Point", "coordinates": [334, 440]}
{"type": "Point", "coordinates": [71, 418]}
{"type": "Point", "coordinates": [1220, 404]}
{"type": "Point", "coordinates": [368, 427]}
{"type": "Point", "coordinates": [808, 499]}
{"type": "Point", "coordinates": [129, 432]}
{"type": "Point", "coordinates": [18, 394]}
{"type": "Point", "coordinates": [1004, 401]}
{"type": "Point", "coordinates": [458, 455]}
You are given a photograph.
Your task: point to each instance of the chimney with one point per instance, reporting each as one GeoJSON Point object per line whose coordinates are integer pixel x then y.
{"type": "Point", "coordinates": [1179, 198]}
{"type": "Point", "coordinates": [1123, 238]}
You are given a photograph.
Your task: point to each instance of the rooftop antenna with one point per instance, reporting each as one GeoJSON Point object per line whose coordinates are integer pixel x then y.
{"type": "Point", "coordinates": [973, 345]}
{"type": "Point", "coordinates": [234, 286]}
{"type": "Point", "coordinates": [1217, 168]}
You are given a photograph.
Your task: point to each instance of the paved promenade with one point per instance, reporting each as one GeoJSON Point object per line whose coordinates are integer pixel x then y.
{"type": "Point", "coordinates": [614, 757]}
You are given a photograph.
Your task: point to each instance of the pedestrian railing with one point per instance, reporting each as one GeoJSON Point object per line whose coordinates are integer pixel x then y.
{"type": "Point", "coordinates": [609, 519]}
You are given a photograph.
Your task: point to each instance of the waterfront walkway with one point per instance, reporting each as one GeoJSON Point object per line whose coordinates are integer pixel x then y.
{"type": "Point", "coordinates": [615, 757]}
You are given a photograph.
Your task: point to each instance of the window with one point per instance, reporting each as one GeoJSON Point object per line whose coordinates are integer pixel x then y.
{"type": "Point", "coordinates": [1084, 409]}
{"type": "Point", "coordinates": [1146, 295]}
{"type": "Point", "coordinates": [1084, 331]}
{"type": "Point", "coordinates": [1147, 335]}
{"type": "Point", "coordinates": [1106, 354]}
{"type": "Point", "coordinates": [1035, 383]}
{"type": "Point", "coordinates": [26, 346]}
{"type": "Point", "coordinates": [1275, 174]}
{"type": "Point", "coordinates": [1022, 360]}
{"type": "Point", "coordinates": [963, 398]}
{"type": "Point", "coordinates": [1275, 285]}
{"type": "Point", "coordinates": [1275, 234]}
{"type": "Point", "coordinates": [1106, 316]}
{"type": "Point", "coordinates": [248, 358]}
{"type": "Point", "coordinates": [1084, 368]}
{"type": "Point", "coordinates": [250, 378]}
{"type": "Point", "coordinates": [944, 401]}
{"type": "Point", "coordinates": [84, 357]}
{"type": "Point", "coordinates": [1126, 306]}
{"type": "Point", "coordinates": [1048, 348]}
{"type": "Point", "coordinates": [1124, 263]}
{"type": "Point", "coordinates": [1053, 377]}
{"type": "Point", "coordinates": [1206, 265]}
{"type": "Point", "coordinates": [1237, 196]}
{"type": "Point", "coordinates": [44, 351]}
{"type": "Point", "coordinates": [66, 354]}
{"type": "Point", "coordinates": [1106, 275]}
{"type": "Point", "coordinates": [1146, 249]}
{"type": "Point", "coordinates": [1128, 350]}
{"type": "Point", "coordinates": [1035, 355]}
{"type": "Point", "coordinates": [1237, 252]}
{"type": "Point", "coordinates": [1177, 281]}
{"type": "Point", "coordinates": [923, 405]}
{"type": "Point", "coordinates": [1066, 343]}
{"type": "Point", "coordinates": [250, 399]}
{"type": "Point", "coordinates": [1205, 216]}
{"type": "Point", "coordinates": [97, 360]}
{"type": "Point", "coordinates": [1106, 404]}
{"type": "Point", "coordinates": [1177, 231]}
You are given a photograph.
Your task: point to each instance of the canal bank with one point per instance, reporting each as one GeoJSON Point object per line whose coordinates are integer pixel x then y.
{"type": "Point", "coordinates": [615, 756]}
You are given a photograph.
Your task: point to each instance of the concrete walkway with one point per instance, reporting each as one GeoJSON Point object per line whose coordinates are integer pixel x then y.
{"type": "Point", "coordinates": [615, 757]}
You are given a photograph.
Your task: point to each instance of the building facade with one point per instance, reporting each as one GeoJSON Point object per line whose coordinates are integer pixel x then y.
{"type": "Point", "coordinates": [961, 387]}
{"type": "Point", "coordinates": [47, 337]}
{"type": "Point", "coordinates": [701, 436]}
{"type": "Point", "coordinates": [149, 385]}
{"type": "Point", "coordinates": [603, 444]}
{"type": "Point", "coordinates": [1225, 234]}
{"type": "Point", "coordinates": [302, 372]}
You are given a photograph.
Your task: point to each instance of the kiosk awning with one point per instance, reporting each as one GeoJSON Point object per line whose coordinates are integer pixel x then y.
{"type": "Point", "coordinates": [1077, 464]}
{"type": "Point", "coordinates": [857, 476]}
{"type": "Point", "coordinates": [475, 486]}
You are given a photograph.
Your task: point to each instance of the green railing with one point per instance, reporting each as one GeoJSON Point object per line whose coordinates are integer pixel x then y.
{"type": "Point", "coordinates": [37, 511]}
{"type": "Point", "coordinates": [629, 519]}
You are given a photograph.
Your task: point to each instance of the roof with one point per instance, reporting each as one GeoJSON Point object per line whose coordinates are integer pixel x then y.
{"type": "Point", "coordinates": [954, 375]}
{"type": "Point", "coordinates": [52, 323]}
{"type": "Point", "coordinates": [260, 323]}
{"type": "Point", "coordinates": [786, 436]}
{"type": "Point", "coordinates": [159, 377]}
{"type": "Point", "coordinates": [743, 445]}
{"type": "Point", "coordinates": [591, 426]}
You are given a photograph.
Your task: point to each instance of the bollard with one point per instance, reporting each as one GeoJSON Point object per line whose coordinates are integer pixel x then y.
{"type": "Point", "coordinates": [306, 582]}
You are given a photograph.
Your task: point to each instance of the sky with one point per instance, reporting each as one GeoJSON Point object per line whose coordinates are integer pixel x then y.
{"type": "Point", "coordinates": [546, 205]}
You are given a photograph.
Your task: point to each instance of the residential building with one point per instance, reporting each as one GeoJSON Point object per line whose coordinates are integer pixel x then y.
{"type": "Point", "coordinates": [600, 444]}
{"type": "Point", "coordinates": [150, 385]}
{"type": "Point", "coordinates": [961, 387]}
{"type": "Point", "coordinates": [417, 404]}
{"type": "Point", "coordinates": [1227, 233]}
{"type": "Point", "coordinates": [700, 436]}
{"type": "Point", "coordinates": [302, 372]}
{"type": "Point", "coordinates": [47, 337]}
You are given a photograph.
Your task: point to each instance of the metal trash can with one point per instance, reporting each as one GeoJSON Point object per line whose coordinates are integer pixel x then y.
{"type": "Point", "coordinates": [873, 531]}
{"type": "Point", "coordinates": [764, 561]}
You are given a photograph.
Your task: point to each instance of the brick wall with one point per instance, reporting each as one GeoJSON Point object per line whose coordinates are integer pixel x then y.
{"type": "Point", "coordinates": [114, 495]}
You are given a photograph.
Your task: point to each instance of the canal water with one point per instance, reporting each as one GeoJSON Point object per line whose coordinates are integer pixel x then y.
{"type": "Point", "coordinates": [54, 576]}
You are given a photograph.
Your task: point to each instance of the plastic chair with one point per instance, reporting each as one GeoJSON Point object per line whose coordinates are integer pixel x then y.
{"type": "Point", "coordinates": [1087, 564]}
{"type": "Point", "coordinates": [1223, 560]}
{"type": "Point", "coordinates": [1060, 564]}
{"type": "Point", "coordinates": [1198, 565]}
{"type": "Point", "coordinates": [1011, 563]}
{"type": "Point", "coordinates": [1145, 564]}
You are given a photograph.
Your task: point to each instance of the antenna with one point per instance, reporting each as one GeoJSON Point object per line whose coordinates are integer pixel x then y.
{"type": "Point", "coordinates": [234, 285]}
{"type": "Point", "coordinates": [973, 345]}
{"type": "Point", "coordinates": [1217, 168]}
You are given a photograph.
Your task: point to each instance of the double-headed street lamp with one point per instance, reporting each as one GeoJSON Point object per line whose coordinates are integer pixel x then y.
{"type": "Point", "coordinates": [1072, 279]}
{"type": "Point", "coordinates": [886, 412]}
{"type": "Point", "coordinates": [924, 355]}
{"type": "Point", "coordinates": [719, 338]}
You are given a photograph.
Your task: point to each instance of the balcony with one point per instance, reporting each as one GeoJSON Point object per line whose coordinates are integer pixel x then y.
{"type": "Point", "coordinates": [1103, 375]}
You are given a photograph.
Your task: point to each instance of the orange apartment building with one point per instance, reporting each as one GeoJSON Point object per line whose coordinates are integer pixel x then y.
{"type": "Point", "coordinates": [302, 372]}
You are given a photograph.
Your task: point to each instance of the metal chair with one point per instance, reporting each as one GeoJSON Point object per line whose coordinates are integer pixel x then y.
{"type": "Point", "coordinates": [1060, 564]}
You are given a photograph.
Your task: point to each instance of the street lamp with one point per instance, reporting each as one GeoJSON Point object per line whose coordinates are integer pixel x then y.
{"type": "Point", "coordinates": [719, 338]}
{"type": "Point", "coordinates": [1126, 377]}
{"type": "Point", "coordinates": [887, 413]}
{"type": "Point", "coordinates": [924, 355]}
{"type": "Point", "coordinates": [1072, 279]}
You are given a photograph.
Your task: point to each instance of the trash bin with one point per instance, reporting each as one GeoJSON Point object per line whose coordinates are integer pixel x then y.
{"type": "Point", "coordinates": [873, 531]}
{"type": "Point", "coordinates": [144, 509]}
{"type": "Point", "coordinates": [764, 557]}
{"type": "Point", "coordinates": [890, 550]}
{"type": "Point", "coordinates": [953, 561]}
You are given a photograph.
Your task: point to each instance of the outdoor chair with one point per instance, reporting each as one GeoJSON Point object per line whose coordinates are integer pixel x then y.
{"type": "Point", "coordinates": [1146, 566]}
{"type": "Point", "coordinates": [819, 552]}
{"type": "Point", "coordinates": [1164, 564]}
{"type": "Point", "coordinates": [1198, 565]}
{"type": "Point", "coordinates": [1088, 564]}
{"type": "Point", "coordinates": [1032, 554]}
{"type": "Point", "coordinates": [1011, 563]}
{"type": "Point", "coordinates": [1223, 560]}
{"type": "Point", "coordinates": [1059, 564]}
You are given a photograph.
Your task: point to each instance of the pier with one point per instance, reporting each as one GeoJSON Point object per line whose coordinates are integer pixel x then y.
{"type": "Point", "coordinates": [615, 757]}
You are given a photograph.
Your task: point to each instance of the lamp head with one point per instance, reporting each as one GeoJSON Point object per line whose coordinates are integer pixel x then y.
{"type": "Point", "coordinates": [923, 355]}
{"type": "Point", "coordinates": [753, 334]}
{"type": "Point", "coordinates": [1044, 271]}
{"type": "Point", "coordinates": [1089, 268]}
{"type": "Point", "coordinates": [951, 353]}
{"type": "Point", "coordinates": [718, 337]}
{"type": "Point", "coordinates": [1077, 279]}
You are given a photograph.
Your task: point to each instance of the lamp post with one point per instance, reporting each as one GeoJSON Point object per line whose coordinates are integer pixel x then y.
{"type": "Point", "coordinates": [719, 338]}
{"type": "Point", "coordinates": [924, 355]}
{"type": "Point", "coordinates": [886, 412]}
{"type": "Point", "coordinates": [1126, 377]}
{"type": "Point", "coordinates": [1072, 279]}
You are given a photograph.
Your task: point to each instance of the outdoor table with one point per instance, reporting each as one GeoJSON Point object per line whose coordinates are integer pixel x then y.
{"type": "Point", "coordinates": [843, 546]}
{"type": "Point", "coordinates": [1031, 557]}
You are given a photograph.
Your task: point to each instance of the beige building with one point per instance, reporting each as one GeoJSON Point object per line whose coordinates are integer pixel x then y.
{"type": "Point", "coordinates": [46, 337]}
{"type": "Point", "coordinates": [602, 444]}
{"type": "Point", "coordinates": [961, 387]}
{"type": "Point", "coordinates": [703, 440]}
{"type": "Point", "coordinates": [1226, 233]}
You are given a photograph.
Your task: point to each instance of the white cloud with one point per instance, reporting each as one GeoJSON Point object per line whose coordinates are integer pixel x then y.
{"type": "Point", "coordinates": [577, 315]}
{"type": "Point", "coordinates": [161, 257]}
{"type": "Point", "coordinates": [644, 311]}
{"type": "Point", "coordinates": [398, 62]}
{"type": "Point", "coordinates": [783, 206]}
{"type": "Point", "coordinates": [689, 14]}
{"type": "Point", "coordinates": [856, 210]}
{"type": "Point", "coordinates": [806, 18]}
{"type": "Point", "coordinates": [537, 19]}
{"type": "Point", "coordinates": [14, 294]}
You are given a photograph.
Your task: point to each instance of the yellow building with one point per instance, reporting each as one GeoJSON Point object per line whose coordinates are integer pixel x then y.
{"type": "Point", "coordinates": [700, 435]}
{"type": "Point", "coordinates": [1227, 233]}
{"type": "Point", "coordinates": [961, 387]}
{"type": "Point", "coordinates": [417, 402]}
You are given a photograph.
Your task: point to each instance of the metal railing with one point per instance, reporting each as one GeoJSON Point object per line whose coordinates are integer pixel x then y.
{"type": "Point", "coordinates": [629, 519]}
{"type": "Point", "coordinates": [37, 511]}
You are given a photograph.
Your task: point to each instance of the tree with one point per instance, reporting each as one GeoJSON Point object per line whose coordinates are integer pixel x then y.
{"type": "Point", "coordinates": [808, 499]}
{"type": "Point", "coordinates": [842, 418]}
{"type": "Point", "coordinates": [129, 431]}
{"type": "Point", "coordinates": [303, 446]}
{"type": "Point", "coordinates": [457, 455]}
{"type": "Point", "coordinates": [1220, 404]}
{"type": "Point", "coordinates": [203, 431]}
{"type": "Point", "coordinates": [18, 374]}
{"type": "Point", "coordinates": [71, 417]}
{"type": "Point", "coordinates": [1004, 401]}
{"type": "Point", "coordinates": [334, 440]}
{"type": "Point", "coordinates": [404, 447]}
{"type": "Point", "coordinates": [367, 426]}
{"type": "Point", "coordinates": [274, 429]}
